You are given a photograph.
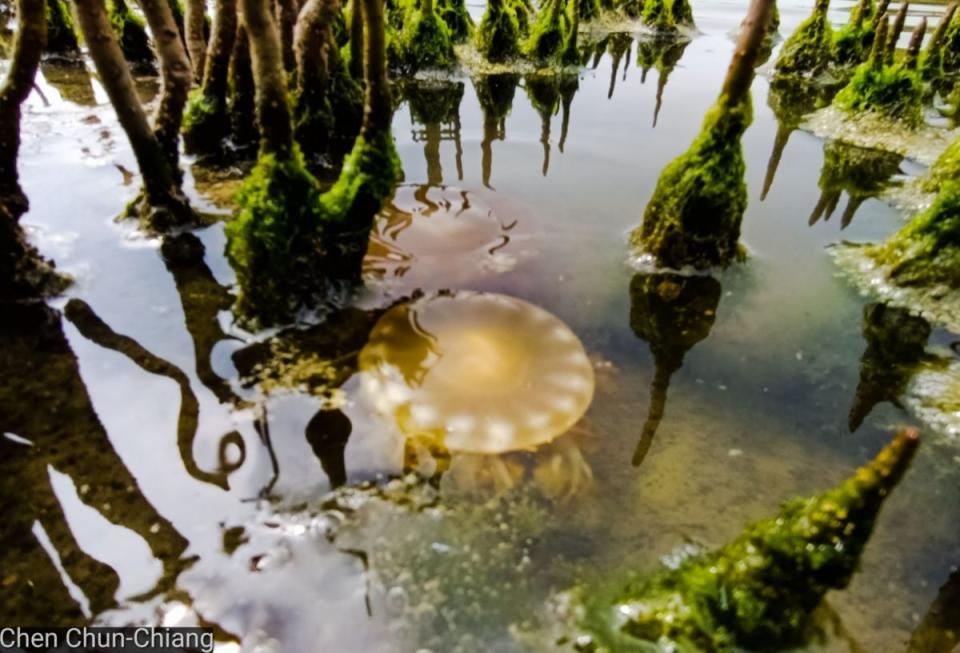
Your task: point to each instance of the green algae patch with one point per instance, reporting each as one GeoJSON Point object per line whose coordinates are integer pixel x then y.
{"type": "Point", "coordinates": [760, 590]}
{"type": "Point", "coordinates": [694, 216]}
{"type": "Point", "coordinates": [276, 237]}
{"type": "Point", "coordinates": [454, 13]}
{"type": "Point", "coordinates": [204, 123]}
{"type": "Point", "coordinates": [809, 50]}
{"type": "Point", "coordinates": [891, 91]}
{"type": "Point", "coordinates": [657, 16]}
{"type": "Point", "coordinates": [426, 41]}
{"type": "Point", "coordinates": [498, 36]}
{"type": "Point", "coordinates": [851, 44]}
{"type": "Point", "coordinates": [682, 13]}
{"type": "Point", "coordinates": [945, 169]}
{"type": "Point", "coordinates": [926, 252]}
{"type": "Point", "coordinates": [547, 33]}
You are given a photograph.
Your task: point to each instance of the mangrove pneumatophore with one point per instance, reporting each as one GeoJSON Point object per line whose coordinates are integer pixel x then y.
{"type": "Point", "coordinates": [289, 240]}
{"type": "Point", "coordinates": [495, 96]}
{"type": "Point", "coordinates": [879, 86]}
{"type": "Point", "coordinates": [896, 341]}
{"type": "Point", "coordinates": [851, 43]}
{"type": "Point", "coordinates": [426, 40]}
{"type": "Point", "coordinates": [547, 32]}
{"type": "Point", "coordinates": [694, 216]}
{"type": "Point", "coordinates": [758, 591]}
{"type": "Point", "coordinates": [671, 313]}
{"type": "Point", "coordinates": [809, 50]}
{"type": "Point", "coordinates": [931, 60]}
{"type": "Point", "coordinates": [454, 13]}
{"type": "Point", "coordinates": [926, 252]}
{"type": "Point", "coordinates": [860, 172]}
{"type": "Point", "coordinates": [24, 273]}
{"type": "Point", "coordinates": [435, 105]}
{"type": "Point", "coordinates": [498, 35]}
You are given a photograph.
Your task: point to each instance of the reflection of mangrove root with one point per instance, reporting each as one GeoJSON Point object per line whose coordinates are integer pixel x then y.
{"type": "Point", "coordinates": [760, 589]}
{"type": "Point", "coordinates": [895, 345]}
{"type": "Point", "coordinates": [96, 330]}
{"type": "Point", "coordinates": [672, 313]}
{"type": "Point", "coordinates": [939, 631]}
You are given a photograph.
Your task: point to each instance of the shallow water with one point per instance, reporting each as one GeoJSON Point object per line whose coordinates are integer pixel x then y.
{"type": "Point", "coordinates": [191, 438]}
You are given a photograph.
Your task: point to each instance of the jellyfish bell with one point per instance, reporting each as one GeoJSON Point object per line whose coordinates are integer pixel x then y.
{"type": "Point", "coordinates": [440, 232]}
{"type": "Point", "coordinates": [480, 373]}
{"type": "Point", "coordinates": [483, 388]}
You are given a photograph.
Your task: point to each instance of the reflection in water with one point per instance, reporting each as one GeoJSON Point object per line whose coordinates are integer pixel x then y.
{"type": "Point", "coordinates": [544, 94]}
{"type": "Point", "coordinates": [619, 48]}
{"type": "Point", "coordinates": [96, 330]}
{"type": "Point", "coordinates": [440, 235]}
{"type": "Point", "coordinates": [495, 95]}
{"type": "Point", "coordinates": [469, 377]}
{"type": "Point", "coordinates": [895, 345]}
{"type": "Point", "coordinates": [50, 425]}
{"type": "Point", "coordinates": [316, 360]}
{"type": "Point", "coordinates": [861, 172]}
{"type": "Point", "coordinates": [671, 313]}
{"type": "Point", "coordinates": [790, 101]}
{"type": "Point", "coordinates": [202, 299]}
{"type": "Point", "coordinates": [435, 105]}
{"type": "Point", "coordinates": [663, 55]}
{"type": "Point", "coordinates": [939, 631]}
{"type": "Point", "coordinates": [71, 81]}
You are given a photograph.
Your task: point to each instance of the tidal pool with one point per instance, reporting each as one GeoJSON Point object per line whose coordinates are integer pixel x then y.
{"type": "Point", "coordinates": [162, 465]}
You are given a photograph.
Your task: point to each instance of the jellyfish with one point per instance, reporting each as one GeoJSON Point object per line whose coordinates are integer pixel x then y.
{"type": "Point", "coordinates": [475, 380]}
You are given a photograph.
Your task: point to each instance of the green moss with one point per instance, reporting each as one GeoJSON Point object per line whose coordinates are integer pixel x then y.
{"type": "Point", "coordinates": [926, 252]}
{"type": "Point", "coordinates": [427, 43]}
{"type": "Point", "coordinates": [694, 216]}
{"type": "Point", "coordinates": [945, 169]}
{"type": "Point", "coordinates": [274, 239]}
{"type": "Point", "coordinates": [950, 47]}
{"type": "Point", "coordinates": [657, 16]}
{"type": "Point", "coordinates": [851, 44]}
{"type": "Point", "coordinates": [632, 8]}
{"type": "Point", "coordinates": [454, 13]}
{"type": "Point", "coordinates": [368, 177]}
{"type": "Point", "coordinates": [892, 91]}
{"type": "Point", "coordinates": [570, 54]}
{"type": "Point", "coordinates": [132, 35]}
{"type": "Point", "coordinates": [547, 34]}
{"type": "Point", "coordinates": [589, 9]}
{"type": "Point", "coordinates": [682, 13]}
{"type": "Point", "coordinates": [758, 591]}
{"type": "Point", "coordinates": [61, 34]}
{"type": "Point", "coordinates": [498, 35]}
{"type": "Point", "coordinates": [522, 11]}
{"type": "Point", "coordinates": [204, 124]}
{"type": "Point", "coordinates": [809, 50]}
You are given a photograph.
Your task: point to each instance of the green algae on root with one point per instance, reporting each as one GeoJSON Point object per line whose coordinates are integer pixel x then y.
{"type": "Point", "coordinates": [945, 169]}
{"type": "Point", "coordinates": [454, 13]}
{"type": "Point", "coordinates": [132, 35]}
{"type": "Point", "coordinates": [547, 33]}
{"type": "Point", "coordinates": [498, 35]}
{"type": "Point", "coordinates": [694, 216]}
{"type": "Point", "coordinates": [204, 123]}
{"type": "Point", "coordinates": [931, 61]}
{"type": "Point", "coordinates": [809, 50]}
{"type": "Point", "coordinates": [657, 16]}
{"type": "Point", "coordinates": [426, 41]}
{"type": "Point", "coordinates": [851, 43]}
{"type": "Point", "coordinates": [926, 252]}
{"type": "Point", "coordinates": [274, 238]}
{"type": "Point", "coordinates": [695, 213]}
{"type": "Point", "coordinates": [760, 590]}
{"type": "Point", "coordinates": [682, 13]}
{"type": "Point", "coordinates": [891, 91]}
